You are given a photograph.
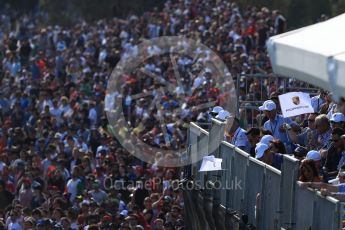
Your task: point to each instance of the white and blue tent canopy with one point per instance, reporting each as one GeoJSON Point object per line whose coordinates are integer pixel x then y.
{"type": "Point", "coordinates": [314, 54]}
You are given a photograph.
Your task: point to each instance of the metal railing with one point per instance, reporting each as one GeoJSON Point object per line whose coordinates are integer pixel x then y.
{"type": "Point", "coordinates": [254, 89]}
{"type": "Point", "coordinates": [266, 197]}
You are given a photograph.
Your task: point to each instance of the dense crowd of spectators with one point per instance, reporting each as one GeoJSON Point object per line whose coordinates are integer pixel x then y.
{"type": "Point", "coordinates": [60, 165]}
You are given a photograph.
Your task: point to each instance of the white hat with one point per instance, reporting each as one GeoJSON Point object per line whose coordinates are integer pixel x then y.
{"type": "Point", "coordinates": [266, 139]}
{"type": "Point", "coordinates": [86, 202]}
{"type": "Point", "coordinates": [223, 115]}
{"type": "Point", "coordinates": [260, 150]}
{"type": "Point", "coordinates": [334, 181]}
{"type": "Point", "coordinates": [124, 213]}
{"type": "Point", "coordinates": [337, 117]}
{"type": "Point", "coordinates": [217, 109]}
{"type": "Point", "coordinates": [313, 155]}
{"type": "Point", "coordinates": [207, 70]}
{"type": "Point", "coordinates": [268, 106]}
{"type": "Point", "coordinates": [58, 136]}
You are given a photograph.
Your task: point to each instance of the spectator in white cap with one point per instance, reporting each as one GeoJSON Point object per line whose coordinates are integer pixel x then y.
{"type": "Point", "coordinates": [337, 120]}
{"type": "Point", "coordinates": [268, 105]}
{"type": "Point", "coordinates": [313, 155]}
{"type": "Point", "coordinates": [263, 153]}
{"type": "Point", "coordinates": [223, 115]}
{"type": "Point", "coordinates": [316, 157]}
{"type": "Point", "coordinates": [260, 151]}
{"type": "Point", "coordinates": [237, 136]}
{"type": "Point", "coordinates": [266, 139]}
{"type": "Point", "coordinates": [277, 123]}
{"type": "Point", "coordinates": [216, 110]}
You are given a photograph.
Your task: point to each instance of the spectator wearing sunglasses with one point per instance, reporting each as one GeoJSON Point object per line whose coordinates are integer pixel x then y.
{"type": "Point", "coordinates": [342, 159]}
{"type": "Point", "coordinates": [334, 154]}
{"type": "Point", "coordinates": [324, 131]}
{"type": "Point", "coordinates": [300, 152]}
{"type": "Point", "coordinates": [308, 136]}
{"type": "Point", "coordinates": [253, 136]}
{"type": "Point", "coordinates": [337, 121]}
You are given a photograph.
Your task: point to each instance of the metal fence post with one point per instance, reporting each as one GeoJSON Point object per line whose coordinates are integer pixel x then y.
{"type": "Point", "coordinates": [271, 197]}
{"type": "Point", "coordinates": [215, 137]}
{"type": "Point", "coordinates": [289, 176]}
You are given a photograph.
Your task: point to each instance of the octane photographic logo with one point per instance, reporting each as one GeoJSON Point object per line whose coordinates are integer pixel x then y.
{"type": "Point", "coordinates": [172, 79]}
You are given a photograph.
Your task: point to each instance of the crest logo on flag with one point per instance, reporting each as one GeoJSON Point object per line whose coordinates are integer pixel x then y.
{"type": "Point", "coordinates": [296, 100]}
{"type": "Point", "coordinates": [295, 103]}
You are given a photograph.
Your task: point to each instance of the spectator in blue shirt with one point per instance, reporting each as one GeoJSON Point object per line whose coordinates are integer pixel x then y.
{"type": "Point", "coordinates": [277, 123]}
{"type": "Point", "coordinates": [318, 100]}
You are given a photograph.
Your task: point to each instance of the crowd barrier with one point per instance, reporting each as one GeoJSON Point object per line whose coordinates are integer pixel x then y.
{"type": "Point", "coordinates": [263, 196]}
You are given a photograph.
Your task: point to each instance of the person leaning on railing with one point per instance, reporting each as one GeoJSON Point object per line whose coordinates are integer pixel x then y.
{"type": "Point", "coordinates": [336, 189]}
{"type": "Point", "coordinates": [309, 172]}
{"type": "Point", "coordinates": [263, 153]}
{"type": "Point", "coordinates": [316, 157]}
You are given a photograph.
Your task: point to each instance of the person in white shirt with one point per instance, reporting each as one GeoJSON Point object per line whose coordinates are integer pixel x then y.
{"type": "Point", "coordinates": [317, 101]}
{"type": "Point", "coordinates": [92, 114]}
{"type": "Point", "coordinates": [64, 105]}
{"type": "Point", "coordinates": [56, 112]}
{"type": "Point", "coordinates": [110, 101]}
{"type": "Point", "coordinates": [13, 222]}
{"type": "Point", "coordinates": [198, 81]}
{"type": "Point", "coordinates": [74, 185]}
